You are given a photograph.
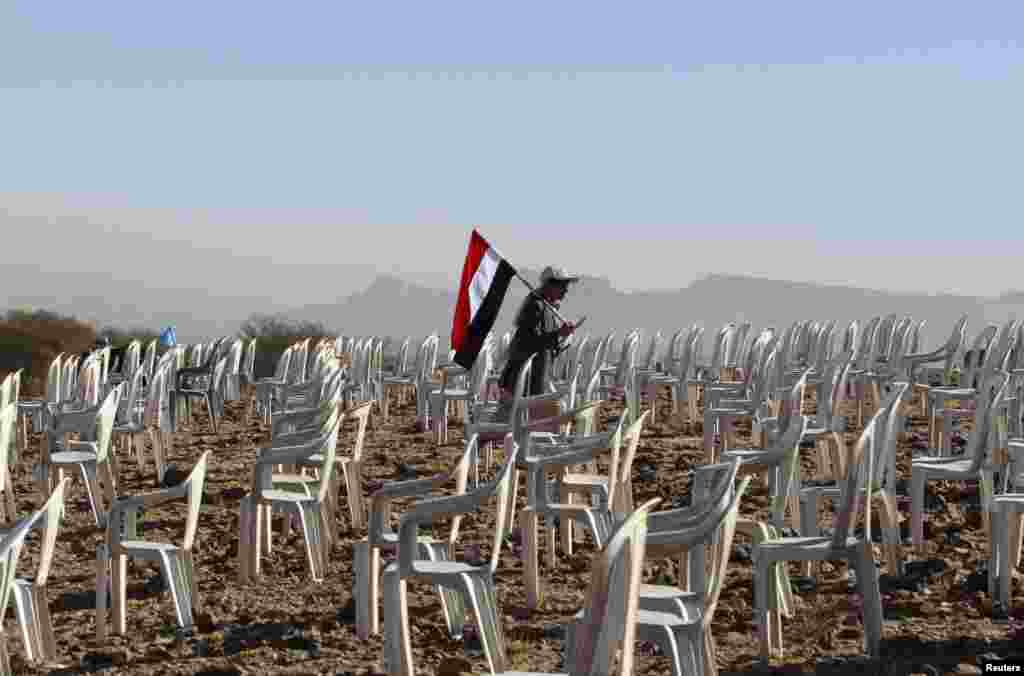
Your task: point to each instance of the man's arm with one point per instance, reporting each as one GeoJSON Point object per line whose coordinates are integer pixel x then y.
{"type": "Point", "coordinates": [531, 325]}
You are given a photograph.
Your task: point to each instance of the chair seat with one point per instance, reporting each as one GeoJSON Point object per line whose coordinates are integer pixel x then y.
{"type": "Point", "coordinates": [71, 457]}
{"type": "Point", "coordinates": [584, 480]}
{"type": "Point", "coordinates": [30, 404]}
{"type": "Point", "coordinates": [820, 544]}
{"type": "Point", "coordinates": [389, 539]}
{"type": "Point", "coordinates": [952, 392]}
{"type": "Point", "coordinates": [654, 618]}
{"type": "Point", "coordinates": [452, 394]}
{"type": "Point", "coordinates": [283, 478]}
{"type": "Point", "coordinates": [661, 379]}
{"type": "Point", "coordinates": [423, 567]}
{"type": "Point", "coordinates": [957, 467]}
{"type": "Point", "coordinates": [286, 496]}
{"type": "Point", "coordinates": [145, 546]}
{"type": "Point", "coordinates": [191, 392]}
{"type": "Point", "coordinates": [664, 591]}
{"type": "Point", "coordinates": [131, 428]}
{"type": "Point", "coordinates": [731, 411]}
{"type": "Point", "coordinates": [753, 455]}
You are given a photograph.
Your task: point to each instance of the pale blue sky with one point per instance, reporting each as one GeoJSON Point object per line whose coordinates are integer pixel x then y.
{"type": "Point", "coordinates": [871, 143]}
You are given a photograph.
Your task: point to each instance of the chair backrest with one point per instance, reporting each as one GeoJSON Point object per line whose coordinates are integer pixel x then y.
{"type": "Point", "coordinates": [8, 418]}
{"type": "Point", "coordinates": [652, 350]}
{"type": "Point", "coordinates": [11, 543]}
{"type": "Point", "coordinates": [857, 487]}
{"type": "Point", "coordinates": [283, 363]}
{"type": "Point", "coordinates": [955, 343]}
{"type": "Point", "coordinates": [53, 380]}
{"type": "Point", "coordinates": [519, 413]}
{"type": "Point", "coordinates": [972, 358]}
{"type": "Point", "coordinates": [460, 474]}
{"type": "Point", "coordinates": [620, 482]}
{"type": "Point", "coordinates": [7, 390]}
{"type": "Point", "coordinates": [578, 352]}
{"type": "Point", "coordinates": [991, 394]}
{"type": "Point", "coordinates": [884, 470]}
{"type": "Point", "coordinates": [362, 415]}
{"type": "Point", "coordinates": [193, 488]}
{"type": "Point", "coordinates": [471, 500]}
{"type": "Point", "coordinates": [49, 519]}
{"type": "Point", "coordinates": [823, 346]}
{"type": "Point", "coordinates": [611, 600]}
{"type": "Point", "coordinates": [865, 348]}
{"type": "Point", "coordinates": [149, 359]}
{"type": "Point", "coordinates": [234, 357]}
{"type": "Point", "coordinates": [402, 362]}
{"type": "Point", "coordinates": [734, 355]}
{"type": "Point", "coordinates": [68, 379]}
{"type": "Point", "coordinates": [836, 422]}
{"type": "Point", "coordinates": [850, 334]}
{"type": "Point", "coordinates": [132, 359]}
{"type": "Point", "coordinates": [249, 360]}
{"type": "Point", "coordinates": [128, 409]}
{"type": "Point", "coordinates": [105, 422]}
{"type": "Point", "coordinates": [793, 402]}
{"type": "Point", "coordinates": [330, 455]}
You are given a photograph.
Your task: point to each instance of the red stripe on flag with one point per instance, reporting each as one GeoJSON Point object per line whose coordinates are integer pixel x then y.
{"type": "Point", "coordinates": [478, 246]}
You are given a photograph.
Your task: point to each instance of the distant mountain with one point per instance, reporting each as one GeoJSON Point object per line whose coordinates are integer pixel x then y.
{"type": "Point", "coordinates": [393, 307]}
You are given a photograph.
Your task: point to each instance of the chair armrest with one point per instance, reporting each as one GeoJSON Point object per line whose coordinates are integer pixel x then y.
{"type": "Point", "coordinates": [409, 488]}
{"type": "Point", "coordinates": [537, 398]}
{"type": "Point", "coordinates": [577, 456]}
{"type": "Point", "coordinates": [383, 496]}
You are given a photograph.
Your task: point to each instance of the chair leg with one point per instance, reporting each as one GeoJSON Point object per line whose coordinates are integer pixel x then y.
{"type": "Point", "coordinates": [102, 585]}
{"type": "Point", "coordinates": [310, 521]}
{"type": "Point", "coordinates": [762, 565]}
{"type": "Point", "coordinates": [181, 591]}
{"type": "Point", "coordinates": [119, 592]}
{"type": "Point", "coordinates": [452, 601]}
{"type": "Point", "coordinates": [480, 594]}
{"type": "Point", "coordinates": [244, 538]}
{"type": "Point", "coordinates": [397, 645]}
{"type": "Point", "coordinates": [366, 561]}
{"type": "Point", "coordinates": [888, 518]}
{"type": "Point", "coordinates": [92, 487]}
{"type": "Point", "coordinates": [867, 581]}
{"type": "Point", "coordinates": [917, 485]}
{"type": "Point", "coordinates": [189, 575]}
{"type": "Point", "coordinates": [24, 605]}
{"type": "Point", "coordinates": [531, 573]}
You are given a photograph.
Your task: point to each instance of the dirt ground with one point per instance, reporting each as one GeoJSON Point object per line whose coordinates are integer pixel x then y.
{"type": "Point", "coordinates": [285, 624]}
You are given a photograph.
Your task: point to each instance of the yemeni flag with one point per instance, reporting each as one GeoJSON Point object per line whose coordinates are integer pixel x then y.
{"type": "Point", "coordinates": [485, 279]}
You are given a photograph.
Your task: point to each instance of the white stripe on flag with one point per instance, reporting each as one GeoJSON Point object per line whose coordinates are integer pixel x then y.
{"type": "Point", "coordinates": [482, 280]}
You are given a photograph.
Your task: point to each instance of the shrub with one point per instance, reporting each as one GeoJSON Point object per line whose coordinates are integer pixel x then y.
{"type": "Point", "coordinates": [30, 339]}
{"type": "Point", "coordinates": [275, 334]}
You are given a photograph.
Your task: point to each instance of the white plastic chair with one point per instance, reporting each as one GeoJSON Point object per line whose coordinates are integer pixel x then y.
{"type": "Point", "coordinates": [309, 509]}
{"type": "Point", "coordinates": [11, 543]}
{"type": "Point", "coordinates": [842, 545]}
{"type": "Point", "coordinates": [366, 554]}
{"type": "Point", "coordinates": [31, 606]}
{"type": "Point", "coordinates": [474, 582]}
{"type": "Point", "coordinates": [176, 562]}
